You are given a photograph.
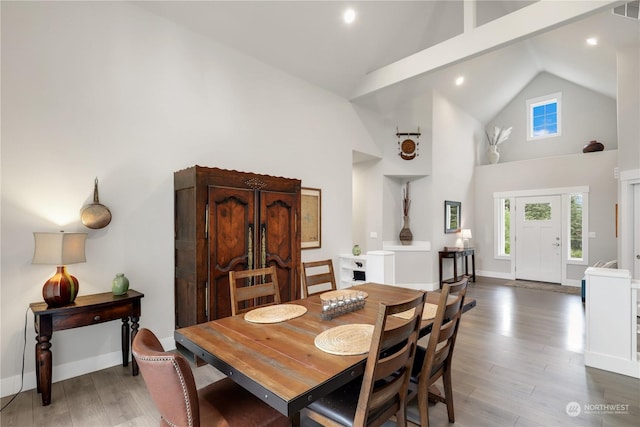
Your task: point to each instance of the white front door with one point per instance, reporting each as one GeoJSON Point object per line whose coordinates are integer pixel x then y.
{"type": "Point", "coordinates": [538, 239]}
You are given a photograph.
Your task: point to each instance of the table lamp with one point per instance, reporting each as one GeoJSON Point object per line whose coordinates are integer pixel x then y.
{"type": "Point", "coordinates": [59, 249]}
{"type": "Point", "coordinates": [466, 235]}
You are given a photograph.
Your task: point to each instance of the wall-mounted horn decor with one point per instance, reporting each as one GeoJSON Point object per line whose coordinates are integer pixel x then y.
{"type": "Point", "coordinates": [408, 148]}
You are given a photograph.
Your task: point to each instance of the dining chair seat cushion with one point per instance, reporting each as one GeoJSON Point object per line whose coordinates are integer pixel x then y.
{"type": "Point", "coordinates": [231, 405]}
{"type": "Point", "coordinates": [418, 360]}
{"type": "Point", "coordinates": [341, 404]}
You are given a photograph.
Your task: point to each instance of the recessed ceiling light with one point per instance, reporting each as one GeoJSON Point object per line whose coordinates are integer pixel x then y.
{"type": "Point", "coordinates": [459, 80]}
{"type": "Point", "coordinates": [592, 41]}
{"type": "Point", "coordinates": [349, 16]}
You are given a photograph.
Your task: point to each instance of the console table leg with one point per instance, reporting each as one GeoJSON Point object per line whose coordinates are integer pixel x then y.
{"type": "Point", "coordinates": [473, 265]}
{"type": "Point", "coordinates": [466, 266]}
{"type": "Point", "coordinates": [125, 341]}
{"type": "Point", "coordinates": [43, 367]}
{"type": "Point", "coordinates": [134, 332]}
{"type": "Point", "coordinates": [38, 389]}
{"type": "Point", "coordinates": [455, 268]}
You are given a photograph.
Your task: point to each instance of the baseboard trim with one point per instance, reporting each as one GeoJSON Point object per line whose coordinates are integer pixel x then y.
{"type": "Point", "coordinates": [11, 385]}
{"type": "Point", "coordinates": [495, 274]}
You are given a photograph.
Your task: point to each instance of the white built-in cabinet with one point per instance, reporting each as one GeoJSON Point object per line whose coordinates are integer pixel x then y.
{"type": "Point", "coordinates": [611, 325]}
{"type": "Point", "coordinates": [375, 266]}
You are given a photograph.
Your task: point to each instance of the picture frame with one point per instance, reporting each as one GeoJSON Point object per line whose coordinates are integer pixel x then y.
{"type": "Point", "coordinates": [311, 218]}
{"type": "Point", "coordinates": [452, 216]}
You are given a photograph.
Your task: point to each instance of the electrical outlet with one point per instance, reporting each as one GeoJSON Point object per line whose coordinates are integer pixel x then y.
{"type": "Point", "coordinates": [373, 234]}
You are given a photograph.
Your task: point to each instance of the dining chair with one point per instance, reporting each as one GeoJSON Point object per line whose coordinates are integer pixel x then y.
{"type": "Point", "coordinates": [316, 277]}
{"type": "Point", "coordinates": [172, 387]}
{"type": "Point", "coordinates": [252, 289]}
{"type": "Point", "coordinates": [456, 287]}
{"type": "Point", "coordinates": [434, 361]}
{"type": "Point", "coordinates": [381, 392]}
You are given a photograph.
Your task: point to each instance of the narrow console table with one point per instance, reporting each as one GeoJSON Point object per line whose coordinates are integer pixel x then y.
{"type": "Point", "coordinates": [85, 310]}
{"type": "Point", "coordinates": [455, 254]}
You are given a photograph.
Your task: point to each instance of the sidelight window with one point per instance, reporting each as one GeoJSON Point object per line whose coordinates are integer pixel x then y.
{"type": "Point", "coordinates": [576, 226]}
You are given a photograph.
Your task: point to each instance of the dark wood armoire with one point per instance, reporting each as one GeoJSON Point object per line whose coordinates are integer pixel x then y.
{"type": "Point", "coordinates": [228, 220]}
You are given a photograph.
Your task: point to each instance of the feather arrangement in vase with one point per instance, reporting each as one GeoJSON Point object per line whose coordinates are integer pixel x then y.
{"type": "Point", "coordinates": [406, 201]}
{"type": "Point", "coordinates": [405, 234]}
{"type": "Point", "coordinates": [499, 136]}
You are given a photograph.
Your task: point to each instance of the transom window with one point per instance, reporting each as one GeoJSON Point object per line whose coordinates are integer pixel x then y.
{"type": "Point", "coordinates": [544, 116]}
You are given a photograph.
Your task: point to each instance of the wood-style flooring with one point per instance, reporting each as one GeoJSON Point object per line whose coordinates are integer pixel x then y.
{"type": "Point", "coordinates": [518, 362]}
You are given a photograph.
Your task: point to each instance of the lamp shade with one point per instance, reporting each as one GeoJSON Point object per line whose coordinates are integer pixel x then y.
{"type": "Point", "coordinates": [59, 248]}
{"type": "Point", "coordinates": [466, 233]}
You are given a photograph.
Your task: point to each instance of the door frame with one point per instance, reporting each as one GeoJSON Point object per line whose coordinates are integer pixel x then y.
{"type": "Point", "coordinates": [628, 180]}
{"type": "Point", "coordinates": [564, 192]}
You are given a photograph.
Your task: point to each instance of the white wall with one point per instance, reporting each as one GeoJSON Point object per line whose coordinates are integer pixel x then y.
{"type": "Point", "coordinates": [107, 90]}
{"type": "Point", "coordinates": [455, 138]}
{"type": "Point", "coordinates": [628, 62]}
{"type": "Point", "coordinates": [586, 115]}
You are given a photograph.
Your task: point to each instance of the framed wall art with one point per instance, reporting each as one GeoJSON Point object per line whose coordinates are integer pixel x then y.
{"type": "Point", "coordinates": [311, 221]}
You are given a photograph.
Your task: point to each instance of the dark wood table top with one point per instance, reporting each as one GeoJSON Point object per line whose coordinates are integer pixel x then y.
{"type": "Point", "coordinates": [279, 362]}
{"type": "Point", "coordinates": [84, 301]}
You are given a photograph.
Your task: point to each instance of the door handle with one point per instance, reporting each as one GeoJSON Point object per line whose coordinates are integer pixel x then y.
{"type": "Point", "coordinates": [638, 256]}
{"type": "Point", "coordinates": [555, 244]}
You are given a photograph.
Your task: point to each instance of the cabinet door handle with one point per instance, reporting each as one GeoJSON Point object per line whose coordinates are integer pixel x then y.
{"type": "Point", "coordinates": [263, 246]}
{"type": "Point", "coordinates": [96, 317]}
{"type": "Point", "coordinates": [250, 249]}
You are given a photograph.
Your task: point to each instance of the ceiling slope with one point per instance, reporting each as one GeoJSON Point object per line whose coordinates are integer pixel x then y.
{"type": "Point", "coordinates": [397, 51]}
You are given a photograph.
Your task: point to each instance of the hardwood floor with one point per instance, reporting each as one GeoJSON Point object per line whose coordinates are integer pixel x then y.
{"type": "Point", "coordinates": [518, 362]}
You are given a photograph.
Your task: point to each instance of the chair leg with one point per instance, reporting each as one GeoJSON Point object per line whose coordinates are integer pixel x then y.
{"type": "Point", "coordinates": [423, 406]}
{"type": "Point", "coordinates": [448, 393]}
{"type": "Point", "coordinates": [401, 416]}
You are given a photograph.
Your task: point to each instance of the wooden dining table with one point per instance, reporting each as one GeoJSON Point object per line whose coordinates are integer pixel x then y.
{"type": "Point", "coordinates": [279, 362]}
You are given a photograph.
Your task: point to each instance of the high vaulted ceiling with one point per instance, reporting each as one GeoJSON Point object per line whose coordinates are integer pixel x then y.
{"type": "Point", "coordinates": [308, 39]}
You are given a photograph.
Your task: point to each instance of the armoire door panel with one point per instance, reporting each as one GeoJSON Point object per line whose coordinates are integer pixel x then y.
{"type": "Point", "coordinates": [278, 220]}
{"type": "Point", "coordinates": [231, 235]}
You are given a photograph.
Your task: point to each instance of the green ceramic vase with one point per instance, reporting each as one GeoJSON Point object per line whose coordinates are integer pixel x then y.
{"type": "Point", "coordinates": [120, 284]}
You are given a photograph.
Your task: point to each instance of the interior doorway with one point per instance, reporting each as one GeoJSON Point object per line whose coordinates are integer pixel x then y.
{"type": "Point", "coordinates": [538, 239]}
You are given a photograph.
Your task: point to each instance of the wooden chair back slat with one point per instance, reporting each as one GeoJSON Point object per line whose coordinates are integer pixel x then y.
{"type": "Point", "coordinates": [251, 289]}
{"type": "Point", "coordinates": [313, 274]}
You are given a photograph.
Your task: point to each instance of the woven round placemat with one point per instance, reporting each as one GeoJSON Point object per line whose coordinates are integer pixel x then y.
{"type": "Point", "coordinates": [346, 340]}
{"type": "Point", "coordinates": [275, 313]}
{"type": "Point", "coordinates": [429, 312]}
{"type": "Point", "coordinates": [340, 292]}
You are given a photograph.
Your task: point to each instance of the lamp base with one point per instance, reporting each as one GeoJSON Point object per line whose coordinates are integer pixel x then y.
{"type": "Point", "coordinates": [61, 289]}
{"type": "Point", "coordinates": [465, 243]}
